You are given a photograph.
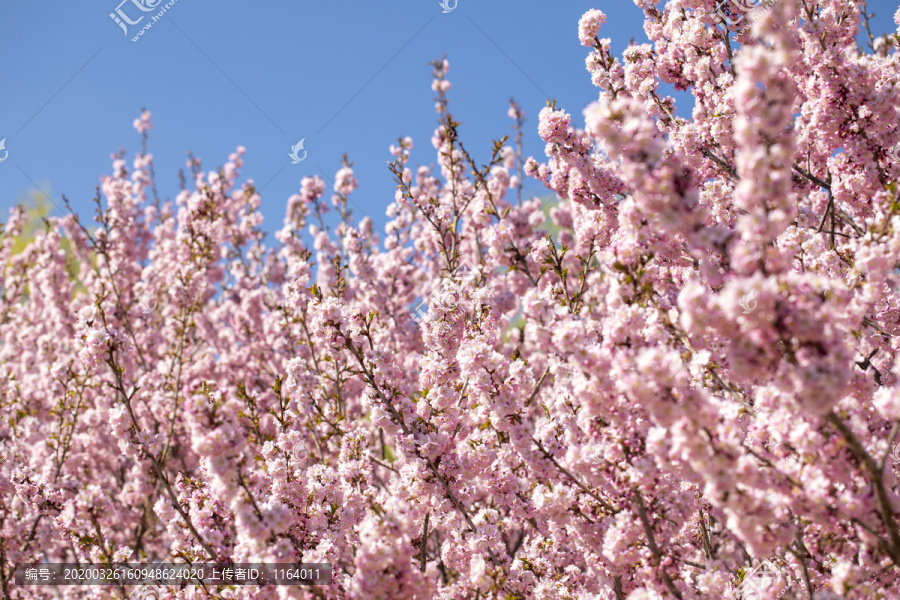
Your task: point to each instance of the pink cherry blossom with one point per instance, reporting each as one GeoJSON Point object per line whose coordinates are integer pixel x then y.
{"type": "Point", "coordinates": [675, 374]}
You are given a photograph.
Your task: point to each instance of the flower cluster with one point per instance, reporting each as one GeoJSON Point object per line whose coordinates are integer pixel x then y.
{"type": "Point", "coordinates": [679, 374]}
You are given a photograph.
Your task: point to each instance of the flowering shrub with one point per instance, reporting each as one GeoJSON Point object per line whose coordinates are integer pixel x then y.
{"type": "Point", "coordinates": [693, 378]}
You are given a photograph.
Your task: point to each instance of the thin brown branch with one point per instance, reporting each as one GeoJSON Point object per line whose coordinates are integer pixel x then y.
{"type": "Point", "coordinates": [606, 506]}
{"type": "Point", "coordinates": [654, 547]}
{"type": "Point", "coordinates": [881, 494]}
{"type": "Point", "coordinates": [423, 544]}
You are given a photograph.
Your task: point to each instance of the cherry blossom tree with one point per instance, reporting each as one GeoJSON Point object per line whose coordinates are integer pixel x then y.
{"type": "Point", "coordinates": [692, 380]}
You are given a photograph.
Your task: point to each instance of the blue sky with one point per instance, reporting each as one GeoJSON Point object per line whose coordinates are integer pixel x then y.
{"type": "Point", "coordinates": [349, 77]}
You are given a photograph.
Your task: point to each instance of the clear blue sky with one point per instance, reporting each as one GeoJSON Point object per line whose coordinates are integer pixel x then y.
{"type": "Point", "coordinates": [350, 77]}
